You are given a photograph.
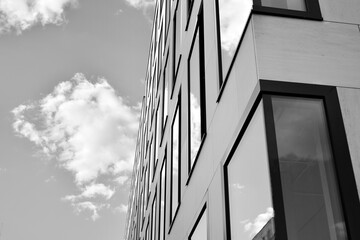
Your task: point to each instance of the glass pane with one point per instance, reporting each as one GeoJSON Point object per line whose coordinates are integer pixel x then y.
{"type": "Point", "coordinates": [175, 163]}
{"type": "Point", "coordinates": [165, 92]}
{"type": "Point", "coordinates": [251, 208]}
{"type": "Point", "coordinates": [153, 221]}
{"type": "Point", "coordinates": [162, 201]}
{"type": "Point", "coordinates": [298, 5]}
{"type": "Point", "coordinates": [311, 197]}
{"type": "Point", "coordinates": [194, 89]}
{"type": "Point", "coordinates": [200, 233]}
{"type": "Point", "coordinates": [233, 16]}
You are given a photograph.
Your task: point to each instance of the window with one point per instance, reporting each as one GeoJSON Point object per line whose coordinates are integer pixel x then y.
{"type": "Point", "coordinates": [157, 134]}
{"type": "Point", "coordinates": [308, 180]}
{"type": "Point", "coordinates": [153, 220]}
{"type": "Point", "coordinates": [162, 202]}
{"type": "Point", "coordinates": [247, 180]}
{"type": "Point", "coordinates": [293, 151]}
{"type": "Point", "coordinates": [309, 9]}
{"type": "Point", "coordinates": [165, 95]}
{"type": "Point", "coordinates": [175, 163]}
{"type": "Point", "coordinates": [196, 94]}
{"type": "Point", "coordinates": [152, 159]}
{"type": "Point", "coordinates": [199, 231]}
{"type": "Point", "coordinates": [176, 42]}
{"type": "Point", "coordinates": [232, 17]}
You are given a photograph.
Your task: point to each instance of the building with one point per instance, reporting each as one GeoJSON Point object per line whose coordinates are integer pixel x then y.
{"type": "Point", "coordinates": [250, 116]}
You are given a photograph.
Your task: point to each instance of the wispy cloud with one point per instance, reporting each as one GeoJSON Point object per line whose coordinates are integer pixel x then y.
{"type": "Point", "coordinates": [122, 208]}
{"type": "Point", "coordinates": [141, 4]}
{"type": "Point", "coordinates": [93, 207]}
{"type": "Point", "coordinates": [259, 222]}
{"type": "Point", "coordinates": [19, 15]}
{"type": "Point", "coordinates": [88, 130]}
{"type": "Point", "coordinates": [50, 179]}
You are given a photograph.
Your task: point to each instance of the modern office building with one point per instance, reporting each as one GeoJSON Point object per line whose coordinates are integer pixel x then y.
{"type": "Point", "coordinates": [250, 123]}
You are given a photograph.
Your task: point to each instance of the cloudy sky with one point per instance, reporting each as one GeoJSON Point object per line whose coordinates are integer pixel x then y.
{"type": "Point", "coordinates": [71, 75]}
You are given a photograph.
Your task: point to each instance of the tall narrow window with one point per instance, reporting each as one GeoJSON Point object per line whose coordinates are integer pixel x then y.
{"type": "Point", "coordinates": [176, 41]}
{"type": "Point", "coordinates": [199, 231]}
{"type": "Point", "coordinates": [175, 163]}
{"type": "Point", "coordinates": [247, 178]}
{"type": "Point", "coordinates": [232, 17]}
{"type": "Point", "coordinates": [162, 202]}
{"type": "Point", "coordinates": [151, 159]}
{"type": "Point", "coordinates": [313, 209]}
{"type": "Point", "coordinates": [165, 95]}
{"type": "Point", "coordinates": [196, 94]}
{"type": "Point", "coordinates": [157, 134]}
{"type": "Point", "coordinates": [153, 220]}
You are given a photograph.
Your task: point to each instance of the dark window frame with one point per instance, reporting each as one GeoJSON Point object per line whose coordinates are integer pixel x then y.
{"type": "Point", "coordinates": [190, 6]}
{"type": "Point", "coordinates": [198, 29]}
{"type": "Point", "coordinates": [171, 213]}
{"type": "Point", "coordinates": [201, 214]}
{"type": "Point", "coordinates": [175, 62]}
{"type": "Point", "coordinates": [312, 10]}
{"type": "Point", "coordinates": [341, 156]}
{"type": "Point", "coordinates": [154, 203]}
{"type": "Point", "coordinates": [163, 169]}
{"type": "Point", "coordinates": [164, 122]}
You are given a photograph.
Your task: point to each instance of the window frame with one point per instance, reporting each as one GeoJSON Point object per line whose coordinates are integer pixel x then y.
{"type": "Point", "coordinates": [162, 190]}
{"type": "Point", "coordinates": [171, 213]}
{"type": "Point", "coordinates": [175, 62]}
{"type": "Point", "coordinates": [337, 137]}
{"type": "Point", "coordinates": [201, 214]}
{"type": "Point", "coordinates": [198, 29]}
{"type": "Point", "coordinates": [165, 79]}
{"type": "Point", "coordinates": [312, 10]}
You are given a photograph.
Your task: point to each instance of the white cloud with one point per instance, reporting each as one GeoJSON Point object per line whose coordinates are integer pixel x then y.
{"type": "Point", "coordinates": [90, 206]}
{"type": "Point", "coordinates": [20, 15]}
{"type": "Point", "coordinates": [141, 4]}
{"type": "Point", "coordinates": [50, 179]}
{"type": "Point", "coordinates": [259, 222]}
{"type": "Point", "coordinates": [233, 16]}
{"type": "Point", "coordinates": [87, 129]}
{"type": "Point", "coordinates": [92, 191]}
{"type": "Point", "coordinates": [121, 180]}
{"type": "Point", "coordinates": [122, 208]}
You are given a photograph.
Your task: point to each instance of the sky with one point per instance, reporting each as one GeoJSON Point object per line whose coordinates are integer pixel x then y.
{"type": "Point", "coordinates": [72, 74]}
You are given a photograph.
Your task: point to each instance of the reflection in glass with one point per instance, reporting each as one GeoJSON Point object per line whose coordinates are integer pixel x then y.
{"type": "Point", "coordinates": [162, 201]}
{"type": "Point", "coordinates": [151, 157]}
{"type": "Point", "coordinates": [200, 232]}
{"type": "Point", "coordinates": [311, 197]}
{"type": "Point", "coordinates": [157, 135]}
{"type": "Point", "coordinates": [233, 15]}
{"type": "Point", "coordinates": [250, 202]}
{"type": "Point", "coordinates": [195, 100]}
{"type": "Point", "coordinates": [175, 177]}
{"type": "Point", "coordinates": [298, 5]}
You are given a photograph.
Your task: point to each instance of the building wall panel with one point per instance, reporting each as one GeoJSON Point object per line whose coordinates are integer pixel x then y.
{"type": "Point", "coordinates": [307, 51]}
{"type": "Point", "coordinates": [340, 11]}
{"type": "Point", "coordinates": [349, 102]}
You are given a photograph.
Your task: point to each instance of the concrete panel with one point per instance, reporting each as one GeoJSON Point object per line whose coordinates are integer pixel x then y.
{"type": "Point", "coordinates": [349, 101]}
{"type": "Point", "coordinates": [307, 51]}
{"type": "Point", "coordinates": [216, 207]}
{"type": "Point", "coordinates": [340, 11]}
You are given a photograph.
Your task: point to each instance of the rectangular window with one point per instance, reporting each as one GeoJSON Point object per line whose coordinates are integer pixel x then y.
{"type": "Point", "coordinates": [297, 135]}
{"type": "Point", "coordinates": [308, 180]}
{"type": "Point", "coordinates": [247, 178]}
{"type": "Point", "coordinates": [199, 231]}
{"type": "Point", "coordinates": [151, 159]}
{"type": "Point", "coordinates": [232, 17]}
{"type": "Point", "coordinates": [162, 202]}
{"type": "Point", "coordinates": [165, 95]}
{"type": "Point", "coordinates": [309, 9]}
{"type": "Point", "coordinates": [153, 220]}
{"type": "Point", "coordinates": [157, 134]}
{"type": "Point", "coordinates": [196, 94]}
{"type": "Point", "coordinates": [175, 163]}
{"type": "Point", "coordinates": [176, 42]}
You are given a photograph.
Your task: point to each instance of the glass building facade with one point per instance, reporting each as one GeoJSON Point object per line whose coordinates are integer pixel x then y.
{"type": "Point", "coordinates": [249, 123]}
